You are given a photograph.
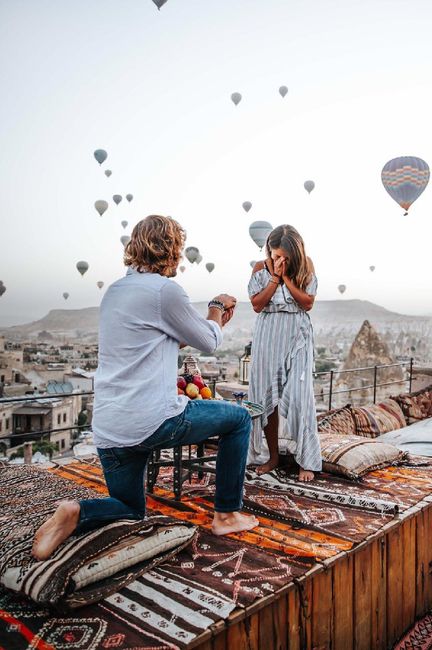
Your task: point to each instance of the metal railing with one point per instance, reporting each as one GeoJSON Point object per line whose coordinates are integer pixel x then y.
{"type": "Point", "coordinates": [408, 365]}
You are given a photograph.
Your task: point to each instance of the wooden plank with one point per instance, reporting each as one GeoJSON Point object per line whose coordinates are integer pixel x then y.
{"type": "Point", "coordinates": [322, 611]}
{"type": "Point", "coordinates": [305, 592]}
{"type": "Point", "coordinates": [219, 642]}
{"type": "Point", "coordinates": [293, 603]}
{"type": "Point", "coordinates": [422, 541]}
{"type": "Point", "coordinates": [280, 614]}
{"type": "Point", "coordinates": [343, 598]}
{"type": "Point", "coordinates": [379, 594]}
{"type": "Point", "coordinates": [394, 586]}
{"type": "Point", "coordinates": [362, 599]}
{"type": "Point", "coordinates": [428, 563]}
{"type": "Point", "coordinates": [408, 534]}
{"type": "Point", "coordinates": [266, 629]}
{"type": "Point", "coordinates": [245, 633]}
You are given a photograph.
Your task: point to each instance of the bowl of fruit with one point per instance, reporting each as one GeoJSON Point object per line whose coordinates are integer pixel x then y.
{"type": "Point", "coordinates": [193, 386]}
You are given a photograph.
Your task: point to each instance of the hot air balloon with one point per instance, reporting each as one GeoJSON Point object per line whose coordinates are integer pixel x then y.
{"type": "Point", "coordinates": [117, 199]}
{"type": "Point", "coordinates": [182, 269]}
{"type": "Point", "coordinates": [129, 197]}
{"type": "Point", "coordinates": [252, 263]}
{"type": "Point", "coordinates": [82, 267]}
{"type": "Point", "coordinates": [236, 98]}
{"type": "Point", "coordinates": [100, 155]}
{"type": "Point", "coordinates": [259, 231]}
{"type": "Point", "coordinates": [65, 295]}
{"type": "Point", "coordinates": [125, 239]}
{"type": "Point", "coordinates": [283, 90]}
{"type": "Point", "coordinates": [191, 253]}
{"type": "Point", "coordinates": [159, 3]}
{"type": "Point", "coordinates": [210, 266]}
{"type": "Point", "coordinates": [124, 224]}
{"type": "Point", "coordinates": [199, 259]}
{"type": "Point", "coordinates": [405, 178]}
{"type": "Point", "coordinates": [342, 288]}
{"type": "Point", "coordinates": [101, 206]}
{"type": "Point", "coordinates": [246, 206]}
{"type": "Point", "coordinates": [2, 288]}
{"type": "Point", "coordinates": [308, 185]}
{"type": "Point", "coordinates": [99, 284]}
{"type": "Point", "coordinates": [108, 172]}
{"type": "Point", "coordinates": [371, 268]}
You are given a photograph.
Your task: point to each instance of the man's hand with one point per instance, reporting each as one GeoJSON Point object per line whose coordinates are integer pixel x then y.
{"type": "Point", "coordinates": [227, 315]}
{"type": "Point", "coordinates": [229, 302]}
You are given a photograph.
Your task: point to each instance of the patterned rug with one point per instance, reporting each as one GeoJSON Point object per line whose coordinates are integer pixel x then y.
{"type": "Point", "coordinates": [419, 637]}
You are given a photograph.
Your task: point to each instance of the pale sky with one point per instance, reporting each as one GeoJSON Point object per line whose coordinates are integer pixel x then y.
{"type": "Point", "coordinates": [153, 89]}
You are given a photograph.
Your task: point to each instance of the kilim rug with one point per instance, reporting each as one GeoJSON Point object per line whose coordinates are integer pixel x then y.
{"type": "Point", "coordinates": [419, 637]}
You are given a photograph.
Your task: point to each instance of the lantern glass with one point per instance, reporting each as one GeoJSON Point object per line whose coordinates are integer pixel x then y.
{"type": "Point", "coordinates": [244, 365]}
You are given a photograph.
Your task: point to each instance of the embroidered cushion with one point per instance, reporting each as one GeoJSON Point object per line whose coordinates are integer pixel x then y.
{"type": "Point", "coordinates": [392, 407]}
{"type": "Point", "coordinates": [337, 421]}
{"type": "Point", "coordinates": [372, 421]}
{"type": "Point", "coordinates": [416, 406]}
{"type": "Point", "coordinates": [353, 457]}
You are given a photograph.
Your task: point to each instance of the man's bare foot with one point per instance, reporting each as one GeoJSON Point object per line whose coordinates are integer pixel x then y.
{"type": "Point", "coordinates": [56, 529]}
{"type": "Point", "coordinates": [268, 466]}
{"type": "Point", "coordinates": [305, 475]}
{"type": "Point", "coordinates": [232, 522]}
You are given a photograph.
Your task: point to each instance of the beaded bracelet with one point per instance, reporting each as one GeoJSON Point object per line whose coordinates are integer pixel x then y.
{"type": "Point", "coordinates": [216, 303]}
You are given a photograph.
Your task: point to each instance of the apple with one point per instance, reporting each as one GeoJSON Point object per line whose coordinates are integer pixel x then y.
{"type": "Point", "coordinates": [180, 391]}
{"type": "Point", "coordinates": [181, 383]}
{"type": "Point", "coordinates": [192, 391]}
{"type": "Point", "coordinates": [198, 381]}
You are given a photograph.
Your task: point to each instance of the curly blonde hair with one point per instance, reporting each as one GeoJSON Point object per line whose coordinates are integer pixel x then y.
{"type": "Point", "coordinates": [156, 245]}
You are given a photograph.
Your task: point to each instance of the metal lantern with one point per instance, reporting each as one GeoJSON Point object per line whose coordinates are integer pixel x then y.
{"type": "Point", "coordinates": [244, 364]}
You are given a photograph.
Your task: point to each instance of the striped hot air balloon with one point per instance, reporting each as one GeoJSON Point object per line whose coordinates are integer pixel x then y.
{"type": "Point", "coordinates": [405, 178]}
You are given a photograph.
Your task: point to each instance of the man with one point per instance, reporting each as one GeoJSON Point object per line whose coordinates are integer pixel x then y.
{"type": "Point", "coordinates": [144, 318]}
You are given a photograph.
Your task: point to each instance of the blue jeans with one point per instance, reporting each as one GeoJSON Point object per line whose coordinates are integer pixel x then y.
{"type": "Point", "coordinates": [124, 467]}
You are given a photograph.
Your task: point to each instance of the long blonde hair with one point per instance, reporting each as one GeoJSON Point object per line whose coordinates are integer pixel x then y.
{"type": "Point", "coordinates": [290, 241]}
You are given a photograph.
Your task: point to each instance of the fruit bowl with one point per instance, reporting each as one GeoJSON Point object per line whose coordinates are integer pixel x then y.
{"type": "Point", "coordinates": [193, 386]}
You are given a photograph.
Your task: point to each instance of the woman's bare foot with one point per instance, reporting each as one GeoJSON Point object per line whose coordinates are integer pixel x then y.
{"type": "Point", "coordinates": [232, 522]}
{"type": "Point", "coordinates": [56, 529]}
{"type": "Point", "coordinates": [272, 463]}
{"type": "Point", "coordinates": [305, 475]}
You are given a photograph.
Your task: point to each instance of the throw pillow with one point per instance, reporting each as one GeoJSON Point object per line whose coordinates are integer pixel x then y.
{"type": "Point", "coordinates": [337, 421]}
{"type": "Point", "coordinates": [372, 421]}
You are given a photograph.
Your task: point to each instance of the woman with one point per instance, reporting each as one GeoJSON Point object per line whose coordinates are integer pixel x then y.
{"type": "Point", "coordinates": [282, 291]}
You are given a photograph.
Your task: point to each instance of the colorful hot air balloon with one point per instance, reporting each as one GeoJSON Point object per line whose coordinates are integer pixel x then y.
{"type": "Point", "coordinates": [210, 266]}
{"type": "Point", "coordinates": [65, 295]}
{"type": "Point", "coordinates": [124, 224]}
{"type": "Point", "coordinates": [236, 98]}
{"type": "Point", "coordinates": [246, 206]}
{"type": "Point", "coordinates": [372, 268]}
{"type": "Point", "coordinates": [191, 253]}
{"type": "Point", "coordinates": [405, 178]}
{"type": "Point", "coordinates": [100, 155]}
{"type": "Point", "coordinates": [342, 288]}
{"type": "Point", "coordinates": [259, 231]}
{"type": "Point", "coordinates": [308, 185]}
{"type": "Point", "coordinates": [129, 197]}
{"type": "Point", "coordinates": [283, 90]}
{"type": "Point", "coordinates": [99, 284]}
{"type": "Point", "coordinates": [108, 172]}
{"type": "Point", "coordinates": [159, 3]}
{"type": "Point", "coordinates": [125, 239]}
{"type": "Point", "coordinates": [101, 206]}
{"type": "Point", "coordinates": [199, 259]}
{"type": "Point", "coordinates": [82, 267]}
{"type": "Point", "coordinates": [117, 198]}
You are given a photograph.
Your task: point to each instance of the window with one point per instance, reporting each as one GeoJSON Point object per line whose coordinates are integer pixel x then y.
{"type": "Point", "coordinates": [2, 378]}
{"type": "Point", "coordinates": [7, 423]}
{"type": "Point", "coordinates": [62, 443]}
{"type": "Point", "coordinates": [1, 424]}
{"type": "Point", "coordinates": [64, 417]}
{"type": "Point", "coordinates": [58, 418]}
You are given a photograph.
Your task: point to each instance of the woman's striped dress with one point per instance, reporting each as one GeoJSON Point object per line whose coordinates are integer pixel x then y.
{"type": "Point", "coordinates": [281, 372]}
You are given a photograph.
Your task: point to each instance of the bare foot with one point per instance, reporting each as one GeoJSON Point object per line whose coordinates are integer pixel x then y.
{"type": "Point", "coordinates": [56, 529]}
{"type": "Point", "coordinates": [268, 466]}
{"type": "Point", "coordinates": [232, 522]}
{"type": "Point", "coordinates": [305, 475]}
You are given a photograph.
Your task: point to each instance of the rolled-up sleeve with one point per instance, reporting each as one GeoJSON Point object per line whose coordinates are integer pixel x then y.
{"type": "Point", "coordinates": [181, 321]}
